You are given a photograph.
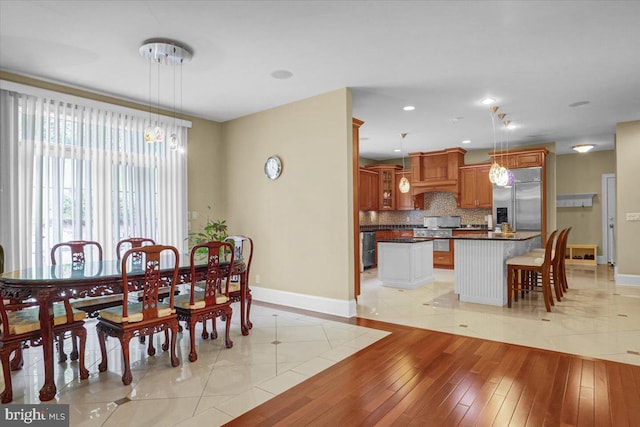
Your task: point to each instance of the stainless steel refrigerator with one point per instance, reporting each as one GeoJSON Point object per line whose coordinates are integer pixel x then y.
{"type": "Point", "coordinates": [520, 205]}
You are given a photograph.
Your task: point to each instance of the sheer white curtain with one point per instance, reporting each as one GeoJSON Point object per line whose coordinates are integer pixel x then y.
{"type": "Point", "coordinates": [70, 171]}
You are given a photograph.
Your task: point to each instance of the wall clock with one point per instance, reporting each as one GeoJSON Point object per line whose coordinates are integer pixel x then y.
{"type": "Point", "coordinates": [273, 167]}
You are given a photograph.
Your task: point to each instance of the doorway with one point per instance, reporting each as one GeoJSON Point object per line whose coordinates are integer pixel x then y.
{"type": "Point", "coordinates": [609, 218]}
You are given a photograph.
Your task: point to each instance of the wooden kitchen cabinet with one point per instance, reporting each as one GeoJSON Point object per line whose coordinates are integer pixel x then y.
{"type": "Point", "coordinates": [368, 190]}
{"type": "Point", "coordinates": [518, 159]}
{"type": "Point", "coordinates": [442, 259]}
{"type": "Point", "coordinates": [404, 201]}
{"type": "Point", "coordinates": [476, 190]}
{"type": "Point", "coordinates": [386, 185]}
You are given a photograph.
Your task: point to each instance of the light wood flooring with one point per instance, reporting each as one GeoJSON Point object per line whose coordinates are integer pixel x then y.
{"type": "Point", "coordinates": [425, 378]}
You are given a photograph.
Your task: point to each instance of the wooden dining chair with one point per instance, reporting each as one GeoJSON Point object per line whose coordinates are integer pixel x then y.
{"type": "Point", "coordinates": [21, 325]}
{"type": "Point", "coordinates": [146, 317]}
{"type": "Point", "coordinates": [78, 255]}
{"type": "Point", "coordinates": [243, 250]}
{"type": "Point", "coordinates": [523, 270]}
{"type": "Point", "coordinates": [209, 298]}
{"type": "Point", "coordinates": [132, 242]}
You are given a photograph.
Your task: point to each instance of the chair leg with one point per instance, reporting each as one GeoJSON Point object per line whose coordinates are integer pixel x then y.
{"type": "Point", "coordinates": [82, 337]}
{"type": "Point", "coordinates": [227, 341]}
{"type": "Point", "coordinates": [249, 300]}
{"type": "Point", "coordinates": [103, 350]}
{"type": "Point", "coordinates": [151, 350]}
{"type": "Point", "coordinates": [193, 355]}
{"type": "Point", "coordinates": [174, 334]}
{"type": "Point", "coordinates": [74, 344]}
{"type": "Point", "coordinates": [214, 332]}
{"type": "Point", "coordinates": [205, 334]}
{"type": "Point", "coordinates": [165, 345]}
{"type": "Point", "coordinates": [126, 375]}
{"type": "Point", "coordinates": [546, 291]}
{"type": "Point", "coordinates": [18, 361]}
{"type": "Point", "coordinates": [62, 356]}
{"type": "Point", "coordinates": [509, 285]}
{"type": "Point", "coordinates": [7, 393]}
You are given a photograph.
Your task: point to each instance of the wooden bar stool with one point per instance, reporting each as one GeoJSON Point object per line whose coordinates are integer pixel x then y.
{"type": "Point", "coordinates": [523, 270]}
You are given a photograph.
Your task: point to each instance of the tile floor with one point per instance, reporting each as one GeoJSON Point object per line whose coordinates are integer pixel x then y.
{"type": "Point", "coordinates": [282, 350]}
{"type": "Point", "coordinates": [596, 319]}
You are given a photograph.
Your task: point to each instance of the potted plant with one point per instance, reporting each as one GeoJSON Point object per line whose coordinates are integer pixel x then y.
{"type": "Point", "coordinates": [213, 230]}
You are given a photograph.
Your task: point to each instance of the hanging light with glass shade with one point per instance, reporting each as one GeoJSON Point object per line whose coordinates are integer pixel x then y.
{"type": "Point", "coordinates": [495, 167]}
{"type": "Point", "coordinates": [165, 52]}
{"type": "Point", "coordinates": [404, 186]}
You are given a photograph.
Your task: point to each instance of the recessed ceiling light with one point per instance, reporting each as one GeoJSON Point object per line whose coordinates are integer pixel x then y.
{"type": "Point", "coordinates": [282, 74]}
{"type": "Point", "coordinates": [397, 150]}
{"type": "Point", "coordinates": [409, 108]}
{"type": "Point", "coordinates": [466, 141]}
{"type": "Point", "coordinates": [583, 148]}
{"type": "Point", "coordinates": [488, 101]}
{"type": "Point", "coordinates": [579, 104]}
{"type": "Point", "coordinates": [512, 126]}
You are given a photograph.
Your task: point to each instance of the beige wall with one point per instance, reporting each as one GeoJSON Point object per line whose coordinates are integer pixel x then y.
{"type": "Point", "coordinates": [627, 197]}
{"type": "Point", "coordinates": [302, 222]}
{"type": "Point", "coordinates": [582, 173]}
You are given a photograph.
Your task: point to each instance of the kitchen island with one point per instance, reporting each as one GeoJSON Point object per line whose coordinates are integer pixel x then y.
{"type": "Point", "coordinates": [480, 272]}
{"type": "Point", "coordinates": [405, 263]}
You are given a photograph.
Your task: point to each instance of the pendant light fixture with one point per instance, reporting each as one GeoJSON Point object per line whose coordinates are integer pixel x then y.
{"type": "Point", "coordinates": [165, 52]}
{"type": "Point", "coordinates": [404, 186]}
{"type": "Point", "coordinates": [495, 167]}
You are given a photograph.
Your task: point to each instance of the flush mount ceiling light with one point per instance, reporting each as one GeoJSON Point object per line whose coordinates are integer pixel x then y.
{"type": "Point", "coordinates": [583, 148]}
{"type": "Point", "coordinates": [397, 150]}
{"type": "Point", "coordinates": [488, 101]}
{"type": "Point", "coordinates": [466, 141]}
{"type": "Point", "coordinates": [579, 104]}
{"type": "Point", "coordinates": [409, 108]}
{"type": "Point", "coordinates": [165, 52]}
{"type": "Point", "coordinates": [282, 74]}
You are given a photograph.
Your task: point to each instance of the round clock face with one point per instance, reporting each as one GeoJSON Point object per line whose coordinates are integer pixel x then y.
{"type": "Point", "coordinates": [273, 167]}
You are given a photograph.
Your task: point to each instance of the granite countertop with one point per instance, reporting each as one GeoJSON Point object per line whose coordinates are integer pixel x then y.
{"type": "Point", "coordinates": [407, 240]}
{"type": "Point", "coordinates": [520, 235]}
{"type": "Point", "coordinates": [474, 227]}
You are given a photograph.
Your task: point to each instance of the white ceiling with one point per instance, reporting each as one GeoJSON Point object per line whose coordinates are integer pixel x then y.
{"type": "Point", "coordinates": [535, 58]}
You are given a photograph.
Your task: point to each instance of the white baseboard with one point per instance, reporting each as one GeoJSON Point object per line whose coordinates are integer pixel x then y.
{"type": "Point", "coordinates": [336, 307]}
{"type": "Point", "coordinates": [626, 279]}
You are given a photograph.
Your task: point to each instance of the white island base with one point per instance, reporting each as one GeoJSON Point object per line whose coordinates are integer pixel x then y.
{"type": "Point", "coordinates": [480, 272]}
{"type": "Point", "coordinates": [405, 263]}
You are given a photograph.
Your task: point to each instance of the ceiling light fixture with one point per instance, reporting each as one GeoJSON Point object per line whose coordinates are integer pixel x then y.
{"type": "Point", "coordinates": [583, 148]}
{"type": "Point", "coordinates": [409, 108]}
{"type": "Point", "coordinates": [165, 52]}
{"type": "Point", "coordinates": [404, 186]}
{"type": "Point", "coordinates": [488, 101]}
{"type": "Point", "coordinates": [466, 141]}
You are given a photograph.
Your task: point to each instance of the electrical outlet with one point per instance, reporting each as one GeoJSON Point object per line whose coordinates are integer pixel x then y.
{"type": "Point", "coordinates": [257, 279]}
{"type": "Point", "coordinates": [633, 216]}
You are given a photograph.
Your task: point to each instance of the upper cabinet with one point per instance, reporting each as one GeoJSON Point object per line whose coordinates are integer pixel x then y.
{"type": "Point", "coordinates": [404, 201]}
{"type": "Point", "coordinates": [518, 159]}
{"type": "Point", "coordinates": [436, 170]}
{"type": "Point", "coordinates": [368, 190]}
{"type": "Point", "coordinates": [387, 188]}
{"type": "Point", "coordinates": [476, 190]}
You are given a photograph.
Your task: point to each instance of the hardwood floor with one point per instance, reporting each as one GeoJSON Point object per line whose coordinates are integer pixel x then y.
{"type": "Point", "coordinates": [425, 378]}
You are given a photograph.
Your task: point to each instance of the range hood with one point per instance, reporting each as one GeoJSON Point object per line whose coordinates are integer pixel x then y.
{"type": "Point", "coordinates": [436, 171]}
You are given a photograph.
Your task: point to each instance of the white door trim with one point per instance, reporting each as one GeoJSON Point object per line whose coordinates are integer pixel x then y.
{"type": "Point", "coordinates": [605, 222]}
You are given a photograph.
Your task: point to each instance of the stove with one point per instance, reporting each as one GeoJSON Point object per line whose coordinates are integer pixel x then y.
{"type": "Point", "coordinates": [433, 232]}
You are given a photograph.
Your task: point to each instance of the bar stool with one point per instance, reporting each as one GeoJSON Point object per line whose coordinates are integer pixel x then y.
{"type": "Point", "coordinates": [523, 270]}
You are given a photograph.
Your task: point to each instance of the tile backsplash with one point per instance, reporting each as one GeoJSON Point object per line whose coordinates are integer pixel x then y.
{"type": "Point", "coordinates": [436, 203]}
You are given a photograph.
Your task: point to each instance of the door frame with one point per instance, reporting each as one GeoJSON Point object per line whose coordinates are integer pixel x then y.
{"type": "Point", "coordinates": [605, 224]}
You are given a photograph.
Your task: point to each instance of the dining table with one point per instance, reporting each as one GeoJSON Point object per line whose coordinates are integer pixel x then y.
{"type": "Point", "coordinates": [51, 283]}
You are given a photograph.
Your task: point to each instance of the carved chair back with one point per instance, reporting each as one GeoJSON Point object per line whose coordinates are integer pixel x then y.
{"type": "Point", "coordinates": [216, 278]}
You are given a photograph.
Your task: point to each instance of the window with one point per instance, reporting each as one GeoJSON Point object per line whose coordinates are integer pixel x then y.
{"type": "Point", "coordinates": [71, 171]}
